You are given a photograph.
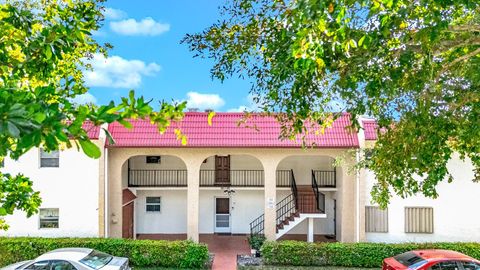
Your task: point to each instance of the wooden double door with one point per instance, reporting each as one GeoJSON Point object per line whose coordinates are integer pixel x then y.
{"type": "Point", "coordinates": [222, 170]}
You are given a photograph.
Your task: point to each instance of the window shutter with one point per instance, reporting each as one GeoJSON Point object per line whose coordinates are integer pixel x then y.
{"type": "Point", "coordinates": [376, 219]}
{"type": "Point", "coordinates": [418, 219]}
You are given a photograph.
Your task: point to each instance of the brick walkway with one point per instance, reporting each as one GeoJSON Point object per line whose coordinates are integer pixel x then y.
{"type": "Point", "coordinates": [226, 248]}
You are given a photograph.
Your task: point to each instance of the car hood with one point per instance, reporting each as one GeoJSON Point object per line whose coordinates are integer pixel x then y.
{"type": "Point", "coordinates": [14, 266]}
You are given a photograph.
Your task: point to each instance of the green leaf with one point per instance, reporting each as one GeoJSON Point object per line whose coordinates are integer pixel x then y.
{"type": "Point", "coordinates": [361, 40]}
{"type": "Point", "coordinates": [110, 139]}
{"type": "Point", "coordinates": [13, 130]}
{"type": "Point", "coordinates": [48, 52]}
{"type": "Point", "coordinates": [90, 149]}
{"type": "Point", "coordinates": [40, 117]}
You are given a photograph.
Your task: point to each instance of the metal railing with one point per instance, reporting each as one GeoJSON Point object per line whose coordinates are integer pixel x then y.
{"type": "Point", "coordinates": [319, 197]}
{"type": "Point", "coordinates": [238, 178]}
{"type": "Point", "coordinates": [178, 178]}
{"type": "Point", "coordinates": [284, 209]}
{"type": "Point", "coordinates": [325, 178]}
{"type": "Point", "coordinates": [157, 178]}
{"type": "Point", "coordinates": [257, 226]}
{"type": "Point", "coordinates": [284, 178]}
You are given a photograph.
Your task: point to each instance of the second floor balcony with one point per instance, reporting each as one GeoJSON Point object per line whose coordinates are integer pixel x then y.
{"type": "Point", "coordinates": [212, 178]}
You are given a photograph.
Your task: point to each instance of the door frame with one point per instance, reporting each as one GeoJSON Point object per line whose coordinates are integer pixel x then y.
{"type": "Point", "coordinates": [215, 229]}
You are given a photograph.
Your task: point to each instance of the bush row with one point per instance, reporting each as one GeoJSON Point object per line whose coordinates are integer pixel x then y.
{"type": "Point", "coordinates": [349, 255]}
{"type": "Point", "coordinates": [144, 253]}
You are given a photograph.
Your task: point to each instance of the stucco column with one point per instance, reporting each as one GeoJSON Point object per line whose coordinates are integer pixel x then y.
{"type": "Point", "coordinates": [114, 211]}
{"type": "Point", "coordinates": [347, 201]}
{"type": "Point", "coordinates": [193, 200]}
{"type": "Point", "coordinates": [362, 200]}
{"type": "Point", "coordinates": [270, 224]}
{"type": "Point", "coordinates": [310, 230]}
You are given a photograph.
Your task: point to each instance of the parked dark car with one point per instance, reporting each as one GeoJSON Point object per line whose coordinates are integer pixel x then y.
{"type": "Point", "coordinates": [434, 259]}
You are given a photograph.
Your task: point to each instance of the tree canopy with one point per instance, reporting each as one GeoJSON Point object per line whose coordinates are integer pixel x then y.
{"type": "Point", "coordinates": [412, 65]}
{"type": "Point", "coordinates": [44, 48]}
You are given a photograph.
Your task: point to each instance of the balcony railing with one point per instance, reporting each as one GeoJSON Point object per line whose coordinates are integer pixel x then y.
{"type": "Point", "coordinates": [157, 178]}
{"type": "Point", "coordinates": [325, 179]}
{"type": "Point", "coordinates": [178, 178]}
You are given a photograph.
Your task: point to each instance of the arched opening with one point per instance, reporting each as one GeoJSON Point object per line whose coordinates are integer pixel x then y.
{"type": "Point", "coordinates": [154, 197]}
{"type": "Point", "coordinates": [231, 193]}
{"type": "Point", "coordinates": [312, 193]}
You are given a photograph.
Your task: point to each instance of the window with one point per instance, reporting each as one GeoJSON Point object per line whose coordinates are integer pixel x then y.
{"type": "Point", "coordinates": [96, 259]}
{"type": "Point", "coordinates": [62, 265]}
{"type": "Point", "coordinates": [49, 159]}
{"type": "Point", "coordinates": [410, 260]}
{"type": "Point", "coordinates": [470, 265]}
{"type": "Point", "coordinates": [418, 220]}
{"type": "Point", "coordinates": [153, 159]}
{"type": "Point", "coordinates": [43, 265]}
{"type": "Point", "coordinates": [49, 218]}
{"type": "Point", "coordinates": [445, 266]}
{"type": "Point", "coordinates": [376, 219]}
{"type": "Point", "coordinates": [153, 204]}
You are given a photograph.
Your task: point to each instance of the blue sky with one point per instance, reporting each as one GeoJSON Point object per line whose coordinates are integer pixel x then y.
{"type": "Point", "coordinates": [148, 57]}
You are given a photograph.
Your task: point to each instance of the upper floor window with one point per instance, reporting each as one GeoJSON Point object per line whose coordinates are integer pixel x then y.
{"type": "Point", "coordinates": [49, 159]}
{"type": "Point", "coordinates": [153, 159]}
{"type": "Point", "coordinates": [49, 218]}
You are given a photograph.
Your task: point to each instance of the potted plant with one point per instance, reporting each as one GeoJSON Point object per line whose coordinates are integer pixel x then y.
{"type": "Point", "coordinates": [256, 241]}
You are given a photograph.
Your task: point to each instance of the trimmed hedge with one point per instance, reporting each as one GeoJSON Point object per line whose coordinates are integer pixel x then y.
{"type": "Point", "coordinates": [145, 253]}
{"type": "Point", "coordinates": [368, 255]}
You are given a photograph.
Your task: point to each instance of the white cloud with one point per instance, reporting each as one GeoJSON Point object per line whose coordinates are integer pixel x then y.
{"type": "Point", "coordinates": [204, 101]}
{"type": "Point", "coordinates": [145, 27]}
{"type": "Point", "coordinates": [118, 72]}
{"type": "Point", "coordinates": [86, 98]}
{"type": "Point", "coordinates": [251, 106]}
{"type": "Point", "coordinates": [114, 14]}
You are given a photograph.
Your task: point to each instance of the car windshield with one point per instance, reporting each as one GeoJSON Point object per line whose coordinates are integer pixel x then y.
{"type": "Point", "coordinates": [96, 259]}
{"type": "Point", "coordinates": [410, 259]}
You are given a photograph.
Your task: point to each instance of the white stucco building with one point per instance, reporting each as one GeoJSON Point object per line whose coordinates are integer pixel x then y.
{"type": "Point", "coordinates": [232, 179]}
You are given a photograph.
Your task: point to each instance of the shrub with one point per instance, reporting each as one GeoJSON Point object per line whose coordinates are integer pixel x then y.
{"type": "Point", "coordinates": [144, 253]}
{"type": "Point", "coordinates": [368, 255]}
{"type": "Point", "coordinates": [256, 241]}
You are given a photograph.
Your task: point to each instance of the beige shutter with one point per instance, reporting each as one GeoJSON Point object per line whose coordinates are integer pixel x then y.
{"type": "Point", "coordinates": [418, 219]}
{"type": "Point", "coordinates": [376, 219]}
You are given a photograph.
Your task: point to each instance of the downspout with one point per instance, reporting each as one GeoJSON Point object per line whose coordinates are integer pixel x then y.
{"type": "Point", "coordinates": [105, 210]}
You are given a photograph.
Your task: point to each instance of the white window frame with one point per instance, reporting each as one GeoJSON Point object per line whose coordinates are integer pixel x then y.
{"type": "Point", "coordinates": [40, 218]}
{"type": "Point", "coordinates": [40, 158]}
{"type": "Point", "coordinates": [153, 204]}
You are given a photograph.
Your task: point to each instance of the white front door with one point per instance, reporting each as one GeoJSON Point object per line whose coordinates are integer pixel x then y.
{"type": "Point", "coordinates": [222, 215]}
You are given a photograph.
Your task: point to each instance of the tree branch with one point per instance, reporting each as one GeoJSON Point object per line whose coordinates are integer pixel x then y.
{"type": "Point", "coordinates": [462, 58]}
{"type": "Point", "coordinates": [464, 28]}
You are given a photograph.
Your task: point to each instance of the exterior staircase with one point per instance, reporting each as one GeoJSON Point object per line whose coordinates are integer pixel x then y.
{"type": "Point", "coordinates": [304, 202]}
{"type": "Point", "coordinates": [306, 208]}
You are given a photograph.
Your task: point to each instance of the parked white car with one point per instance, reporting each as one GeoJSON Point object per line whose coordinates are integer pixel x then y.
{"type": "Point", "coordinates": [72, 259]}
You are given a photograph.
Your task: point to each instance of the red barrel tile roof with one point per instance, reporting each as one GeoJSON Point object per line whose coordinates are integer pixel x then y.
{"type": "Point", "coordinates": [370, 127]}
{"type": "Point", "coordinates": [226, 133]}
{"type": "Point", "coordinates": [93, 132]}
